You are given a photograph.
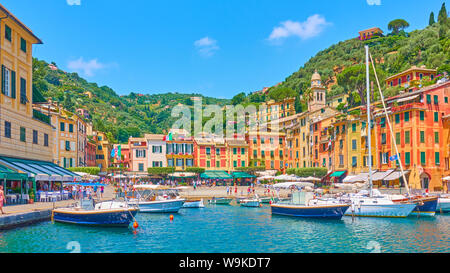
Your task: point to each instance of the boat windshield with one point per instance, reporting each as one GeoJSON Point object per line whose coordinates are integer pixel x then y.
{"type": "Point", "coordinates": [155, 194]}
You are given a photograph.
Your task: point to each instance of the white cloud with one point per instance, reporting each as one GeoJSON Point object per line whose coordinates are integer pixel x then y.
{"type": "Point", "coordinates": [313, 26]}
{"type": "Point", "coordinates": [206, 46]}
{"type": "Point", "coordinates": [374, 2]}
{"type": "Point", "coordinates": [88, 68]}
{"type": "Point", "coordinates": [73, 2]}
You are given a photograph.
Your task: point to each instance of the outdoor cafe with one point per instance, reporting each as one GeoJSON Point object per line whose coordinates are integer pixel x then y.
{"type": "Point", "coordinates": [25, 181]}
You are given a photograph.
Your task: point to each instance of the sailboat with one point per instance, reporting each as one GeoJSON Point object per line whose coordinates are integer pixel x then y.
{"type": "Point", "coordinates": [363, 205]}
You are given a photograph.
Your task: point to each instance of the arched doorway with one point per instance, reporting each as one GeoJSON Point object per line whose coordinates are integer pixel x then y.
{"type": "Point", "coordinates": [424, 180]}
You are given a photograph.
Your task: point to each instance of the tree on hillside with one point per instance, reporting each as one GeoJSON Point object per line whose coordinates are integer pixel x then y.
{"type": "Point", "coordinates": [354, 78]}
{"type": "Point", "coordinates": [431, 21]}
{"type": "Point", "coordinates": [397, 25]}
{"type": "Point", "coordinates": [239, 98]}
{"type": "Point", "coordinates": [442, 16]}
{"type": "Point", "coordinates": [281, 93]}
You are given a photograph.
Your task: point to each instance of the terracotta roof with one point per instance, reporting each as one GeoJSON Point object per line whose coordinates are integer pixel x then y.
{"type": "Point", "coordinates": [154, 136]}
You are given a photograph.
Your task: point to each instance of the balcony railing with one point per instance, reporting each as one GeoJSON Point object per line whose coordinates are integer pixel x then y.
{"type": "Point", "coordinates": [40, 116]}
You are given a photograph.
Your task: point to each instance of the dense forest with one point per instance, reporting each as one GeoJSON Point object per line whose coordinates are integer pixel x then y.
{"type": "Point", "coordinates": [340, 65]}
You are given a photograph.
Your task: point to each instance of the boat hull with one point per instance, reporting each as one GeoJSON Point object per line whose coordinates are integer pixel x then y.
{"type": "Point", "coordinates": [443, 205]}
{"type": "Point", "coordinates": [194, 204]}
{"type": "Point", "coordinates": [425, 206]}
{"type": "Point", "coordinates": [113, 217]}
{"type": "Point", "coordinates": [253, 203]}
{"type": "Point", "coordinates": [221, 201]}
{"type": "Point", "coordinates": [160, 206]}
{"type": "Point", "coordinates": [328, 212]}
{"type": "Point", "coordinates": [382, 210]}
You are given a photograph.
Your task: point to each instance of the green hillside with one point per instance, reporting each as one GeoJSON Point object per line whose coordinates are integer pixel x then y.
{"type": "Point", "coordinates": [119, 116]}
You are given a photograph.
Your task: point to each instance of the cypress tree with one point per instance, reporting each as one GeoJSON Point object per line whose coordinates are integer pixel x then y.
{"type": "Point", "coordinates": [442, 16]}
{"type": "Point", "coordinates": [431, 21]}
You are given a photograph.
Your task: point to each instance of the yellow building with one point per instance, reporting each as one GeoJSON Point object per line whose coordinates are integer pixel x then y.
{"type": "Point", "coordinates": [103, 151]}
{"type": "Point", "coordinates": [237, 153]}
{"type": "Point", "coordinates": [335, 101]}
{"type": "Point", "coordinates": [69, 135]}
{"type": "Point", "coordinates": [24, 133]}
{"type": "Point", "coordinates": [274, 110]}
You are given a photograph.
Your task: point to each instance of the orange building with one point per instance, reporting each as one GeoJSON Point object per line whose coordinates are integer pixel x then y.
{"type": "Point", "coordinates": [210, 153]}
{"type": "Point", "coordinates": [268, 149]}
{"type": "Point", "coordinates": [421, 135]}
{"type": "Point", "coordinates": [369, 33]}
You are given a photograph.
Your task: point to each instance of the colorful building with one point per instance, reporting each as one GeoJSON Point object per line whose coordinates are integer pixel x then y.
{"type": "Point", "coordinates": [103, 151]}
{"type": "Point", "coordinates": [369, 33]}
{"type": "Point", "coordinates": [414, 73]}
{"type": "Point", "coordinates": [420, 130]}
{"type": "Point", "coordinates": [267, 149]}
{"type": "Point", "coordinates": [138, 154]}
{"type": "Point", "coordinates": [156, 150]}
{"type": "Point", "coordinates": [25, 133]}
{"type": "Point", "coordinates": [180, 150]}
{"type": "Point", "coordinates": [237, 153]}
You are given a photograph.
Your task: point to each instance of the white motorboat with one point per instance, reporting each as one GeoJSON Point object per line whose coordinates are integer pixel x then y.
{"type": "Point", "coordinates": [156, 198]}
{"type": "Point", "coordinates": [250, 202]}
{"type": "Point", "coordinates": [193, 204]}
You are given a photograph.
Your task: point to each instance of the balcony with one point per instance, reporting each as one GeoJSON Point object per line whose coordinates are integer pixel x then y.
{"type": "Point", "coordinates": [41, 117]}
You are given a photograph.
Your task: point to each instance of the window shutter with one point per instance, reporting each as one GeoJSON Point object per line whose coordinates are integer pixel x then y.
{"type": "Point", "coordinates": [13, 84]}
{"type": "Point", "coordinates": [3, 79]}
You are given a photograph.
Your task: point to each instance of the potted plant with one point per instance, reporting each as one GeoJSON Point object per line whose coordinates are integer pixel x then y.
{"type": "Point", "coordinates": [31, 200]}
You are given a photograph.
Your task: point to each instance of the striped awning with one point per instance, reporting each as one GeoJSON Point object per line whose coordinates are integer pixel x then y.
{"type": "Point", "coordinates": [39, 170]}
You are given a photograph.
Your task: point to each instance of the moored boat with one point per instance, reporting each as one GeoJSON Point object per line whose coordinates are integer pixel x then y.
{"type": "Point", "coordinates": [111, 213]}
{"type": "Point", "coordinates": [302, 205]}
{"type": "Point", "coordinates": [198, 203]}
{"type": "Point", "coordinates": [253, 202]}
{"type": "Point", "coordinates": [157, 199]}
{"type": "Point", "coordinates": [443, 204]}
{"type": "Point", "coordinates": [425, 205]}
{"type": "Point", "coordinates": [220, 200]}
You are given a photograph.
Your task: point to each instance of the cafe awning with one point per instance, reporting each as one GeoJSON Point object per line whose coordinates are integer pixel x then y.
{"type": "Point", "coordinates": [337, 174]}
{"type": "Point", "coordinates": [182, 175]}
{"type": "Point", "coordinates": [381, 175]}
{"type": "Point", "coordinates": [39, 170]}
{"type": "Point", "coordinates": [242, 175]}
{"type": "Point", "coordinates": [395, 175]}
{"type": "Point", "coordinates": [216, 175]}
{"type": "Point", "coordinates": [9, 174]}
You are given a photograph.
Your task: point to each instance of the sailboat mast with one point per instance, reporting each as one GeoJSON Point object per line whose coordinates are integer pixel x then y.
{"type": "Point", "coordinates": [369, 158]}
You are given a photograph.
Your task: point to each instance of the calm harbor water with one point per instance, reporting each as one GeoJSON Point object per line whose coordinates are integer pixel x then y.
{"type": "Point", "coordinates": [236, 229]}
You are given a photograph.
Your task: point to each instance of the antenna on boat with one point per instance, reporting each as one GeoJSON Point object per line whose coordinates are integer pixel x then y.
{"type": "Point", "coordinates": [390, 128]}
{"type": "Point", "coordinates": [369, 157]}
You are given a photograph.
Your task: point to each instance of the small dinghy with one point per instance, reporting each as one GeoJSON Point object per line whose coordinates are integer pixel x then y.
{"type": "Point", "coordinates": [220, 201]}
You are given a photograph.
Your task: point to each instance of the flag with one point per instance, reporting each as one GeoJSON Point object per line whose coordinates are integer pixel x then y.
{"type": "Point", "coordinates": [119, 152]}
{"type": "Point", "coordinates": [168, 137]}
{"type": "Point", "coordinates": [393, 158]}
{"type": "Point", "coordinates": [113, 152]}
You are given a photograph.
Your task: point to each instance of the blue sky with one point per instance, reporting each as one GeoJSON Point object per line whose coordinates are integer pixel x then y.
{"type": "Point", "coordinates": [214, 47]}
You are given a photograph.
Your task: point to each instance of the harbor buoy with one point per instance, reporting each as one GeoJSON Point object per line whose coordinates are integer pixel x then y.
{"type": "Point", "coordinates": [270, 202]}
{"type": "Point", "coordinates": [135, 224]}
{"type": "Point", "coordinates": [171, 217]}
